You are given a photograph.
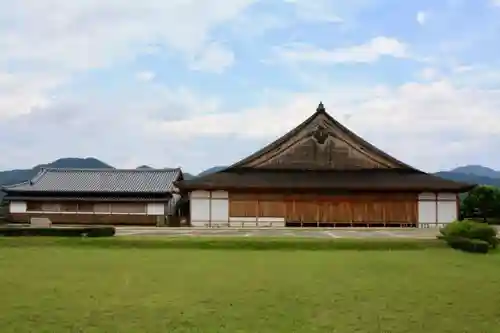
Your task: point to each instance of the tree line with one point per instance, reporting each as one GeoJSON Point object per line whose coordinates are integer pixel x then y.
{"type": "Point", "coordinates": [482, 203]}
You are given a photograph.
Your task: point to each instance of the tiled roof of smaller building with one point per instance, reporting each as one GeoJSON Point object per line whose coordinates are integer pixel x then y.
{"type": "Point", "coordinates": [100, 181]}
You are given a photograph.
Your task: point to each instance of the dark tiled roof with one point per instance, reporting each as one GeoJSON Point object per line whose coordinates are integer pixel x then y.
{"type": "Point", "coordinates": [100, 181]}
{"type": "Point", "coordinates": [372, 180]}
{"type": "Point", "coordinates": [96, 198]}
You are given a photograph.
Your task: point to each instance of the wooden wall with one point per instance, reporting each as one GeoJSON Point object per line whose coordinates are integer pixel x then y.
{"type": "Point", "coordinates": [380, 208]}
{"type": "Point", "coordinates": [87, 207]}
{"type": "Point", "coordinates": [103, 213]}
{"type": "Point", "coordinates": [98, 219]}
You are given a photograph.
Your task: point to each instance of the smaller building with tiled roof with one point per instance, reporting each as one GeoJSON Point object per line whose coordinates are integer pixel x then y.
{"type": "Point", "coordinates": [96, 196]}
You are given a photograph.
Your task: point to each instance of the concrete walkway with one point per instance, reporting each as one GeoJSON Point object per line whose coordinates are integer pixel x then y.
{"type": "Point", "coordinates": [284, 232]}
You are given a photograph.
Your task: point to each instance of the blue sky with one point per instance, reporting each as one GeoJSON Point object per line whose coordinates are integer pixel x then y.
{"type": "Point", "coordinates": [197, 83]}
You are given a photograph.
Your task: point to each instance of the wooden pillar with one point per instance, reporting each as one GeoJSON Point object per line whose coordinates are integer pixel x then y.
{"type": "Point", "coordinates": [437, 207]}
{"type": "Point", "coordinates": [210, 209]}
{"type": "Point", "coordinates": [257, 211]}
{"type": "Point", "coordinates": [317, 213]}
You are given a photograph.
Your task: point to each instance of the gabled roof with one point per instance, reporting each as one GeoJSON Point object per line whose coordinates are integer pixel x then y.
{"type": "Point", "coordinates": [321, 153]}
{"type": "Point", "coordinates": [100, 181]}
{"type": "Point", "coordinates": [320, 142]}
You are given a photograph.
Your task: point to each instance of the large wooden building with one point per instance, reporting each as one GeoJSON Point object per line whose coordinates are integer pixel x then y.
{"type": "Point", "coordinates": [321, 174]}
{"type": "Point", "coordinates": [96, 196]}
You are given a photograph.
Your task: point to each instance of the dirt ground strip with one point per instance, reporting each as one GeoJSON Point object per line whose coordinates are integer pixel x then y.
{"type": "Point", "coordinates": [311, 233]}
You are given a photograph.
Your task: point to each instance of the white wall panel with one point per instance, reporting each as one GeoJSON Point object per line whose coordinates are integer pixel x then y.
{"type": "Point", "coordinates": [271, 219]}
{"type": "Point", "coordinates": [155, 208]}
{"type": "Point", "coordinates": [17, 207]}
{"type": "Point", "coordinates": [243, 219]}
{"type": "Point", "coordinates": [427, 196]}
{"type": "Point", "coordinates": [426, 212]}
{"type": "Point", "coordinates": [447, 196]}
{"type": "Point", "coordinates": [220, 194]}
{"type": "Point", "coordinates": [200, 209]}
{"type": "Point", "coordinates": [447, 211]}
{"type": "Point", "coordinates": [199, 194]}
{"type": "Point", "coordinates": [219, 210]}
{"type": "Point", "coordinates": [271, 222]}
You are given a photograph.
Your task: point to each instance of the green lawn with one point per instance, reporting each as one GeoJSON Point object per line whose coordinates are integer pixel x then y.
{"type": "Point", "coordinates": [136, 286]}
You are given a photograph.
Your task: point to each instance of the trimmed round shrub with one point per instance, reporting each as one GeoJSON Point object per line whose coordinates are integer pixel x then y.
{"type": "Point", "coordinates": [471, 230]}
{"type": "Point", "coordinates": [468, 244]}
{"type": "Point", "coordinates": [470, 236]}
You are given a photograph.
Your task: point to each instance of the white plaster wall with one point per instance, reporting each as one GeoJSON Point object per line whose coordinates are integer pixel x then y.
{"type": "Point", "coordinates": [427, 212]}
{"type": "Point", "coordinates": [427, 196]}
{"type": "Point", "coordinates": [199, 194]}
{"type": "Point", "coordinates": [447, 196]}
{"type": "Point", "coordinates": [155, 208]}
{"type": "Point", "coordinates": [239, 222]}
{"type": "Point", "coordinates": [220, 195]}
{"type": "Point", "coordinates": [271, 221]}
{"type": "Point", "coordinates": [447, 211]}
{"type": "Point", "coordinates": [209, 208]}
{"type": "Point", "coordinates": [199, 206]}
{"type": "Point", "coordinates": [433, 214]}
{"type": "Point", "coordinates": [243, 219]}
{"type": "Point", "coordinates": [219, 210]}
{"type": "Point", "coordinates": [200, 209]}
{"type": "Point", "coordinates": [17, 207]}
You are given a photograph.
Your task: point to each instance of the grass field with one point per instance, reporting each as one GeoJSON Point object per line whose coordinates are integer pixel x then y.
{"type": "Point", "coordinates": [155, 285]}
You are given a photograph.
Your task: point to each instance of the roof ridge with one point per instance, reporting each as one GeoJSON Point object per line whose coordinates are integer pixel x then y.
{"type": "Point", "coordinates": [31, 181]}
{"type": "Point", "coordinates": [111, 169]}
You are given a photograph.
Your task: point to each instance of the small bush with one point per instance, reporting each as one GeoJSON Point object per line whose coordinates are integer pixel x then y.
{"type": "Point", "coordinates": [58, 231]}
{"type": "Point", "coordinates": [470, 230]}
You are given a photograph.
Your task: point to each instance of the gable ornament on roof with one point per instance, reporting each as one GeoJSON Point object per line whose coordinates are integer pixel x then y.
{"type": "Point", "coordinates": [320, 134]}
{"type": "Point", "coordinates": [321, 107]}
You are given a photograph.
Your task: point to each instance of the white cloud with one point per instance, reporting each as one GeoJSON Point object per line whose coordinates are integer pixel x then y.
{"type": "Point", "coordinates": [406, 120]}
{"type": "Point", "coordinates": [22, 93]}
{"type": "Point", "coordinates": [145, 76]}
{"type": "Point", "coordinates": [55, 39]}
{"type": "Point", "coordinates": [495, 3]}
{"type": "Point", "coordinates": [368, 52]}
{"type": "Point", "coordinates": [433, 125]}
{"type": "Point", "coordinates": [317, 10]}
{"type": "Point", "coordinates": [92, 33]}
{"type": "Point", "coordinates": [429, 73]}
{"type": "Point", "coordinates": [214, 58]}
{"type": "Point", "coordinates": [422, 17]}
{"type": "Point", "coordinates": [463, 68]}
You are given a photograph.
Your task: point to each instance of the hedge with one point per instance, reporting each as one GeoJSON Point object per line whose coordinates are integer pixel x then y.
{"type": "Point", "coordinates": [470, 236]}
{"type": "Point", "coordinates": [468, 244]}
{"type": "Point", "coordinates": [58, 231]}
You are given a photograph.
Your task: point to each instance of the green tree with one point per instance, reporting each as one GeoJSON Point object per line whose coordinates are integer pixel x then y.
{"type": "Point", "coordinates": [482, 201]}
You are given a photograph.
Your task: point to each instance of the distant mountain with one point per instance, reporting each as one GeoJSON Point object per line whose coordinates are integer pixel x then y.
{"type": "Point", "coordinates": [187, 175]}
{"type": "Point", "coordinates": [469, 178]}
{"type": "Point", "coordinates": [77, 163]}
{"type": "Point", "coordinates": [477, 170]}
{"type": "Point", "coordinates": [21, 175]}
{"type": "Point", "coordinates": [211, 170]}
{"type": "Point", "coordinates": [144, 167]}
